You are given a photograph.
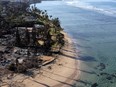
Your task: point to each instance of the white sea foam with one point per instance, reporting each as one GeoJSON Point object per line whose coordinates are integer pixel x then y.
{"type": "Point", "coordinates": [85, 5]}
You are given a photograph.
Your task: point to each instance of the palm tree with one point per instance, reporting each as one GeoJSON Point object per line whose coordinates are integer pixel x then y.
{"type": "Point", "coordinates": [56, 22]}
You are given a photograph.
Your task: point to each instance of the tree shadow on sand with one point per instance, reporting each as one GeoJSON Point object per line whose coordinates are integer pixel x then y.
{"type": "Point", "coordinates": [69, 78]}
{"type": "Point", "coordinates": [41, 83]}
{"type": "Point", "coordinates": [82, 58]}
{"type": "Point", "coordinates": [88, 72]}
{"type": "Point", "coordinates": [66, 83]}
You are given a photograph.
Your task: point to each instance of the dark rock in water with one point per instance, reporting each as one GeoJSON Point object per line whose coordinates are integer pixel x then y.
{"type": "Point", "coordinates": [102, 66]}
{"type": "Point", "coordinates": [103, 73]}
{"type": "Point", "coordinates": [113, 75]}
{"type": "Point", "coordinates": [111, 82]}
{"type": "Point", "coordinates": [109, 78]}
{"type": "Point", "coordinates": [94, 85]}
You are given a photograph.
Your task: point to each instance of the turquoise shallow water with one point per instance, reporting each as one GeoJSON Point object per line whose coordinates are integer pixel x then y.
{"type": "Point", "coordinates": [94, 34]}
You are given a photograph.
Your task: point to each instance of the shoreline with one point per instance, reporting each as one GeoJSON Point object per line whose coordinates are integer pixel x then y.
{"type": "Point", "coordinates": [64, 72]}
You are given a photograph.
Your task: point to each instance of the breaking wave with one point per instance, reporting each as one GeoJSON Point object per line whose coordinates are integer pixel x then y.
{"type": "Point", "coordinates": [84, 5]}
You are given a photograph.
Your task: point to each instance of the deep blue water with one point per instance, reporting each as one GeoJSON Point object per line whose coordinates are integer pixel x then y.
{"type": "Point", "coordinates": [92, 26]}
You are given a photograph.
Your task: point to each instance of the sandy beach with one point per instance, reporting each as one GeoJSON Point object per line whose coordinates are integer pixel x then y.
{"type": "Point", "coordinates": [62, 73]}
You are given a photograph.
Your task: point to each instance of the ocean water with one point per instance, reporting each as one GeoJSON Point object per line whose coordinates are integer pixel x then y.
{"type": "Point", "coordinates": [92, 26]}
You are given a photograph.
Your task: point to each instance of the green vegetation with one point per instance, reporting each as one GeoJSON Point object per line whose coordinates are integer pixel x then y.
{"type": "Point", "coordinates": [45, 33]}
